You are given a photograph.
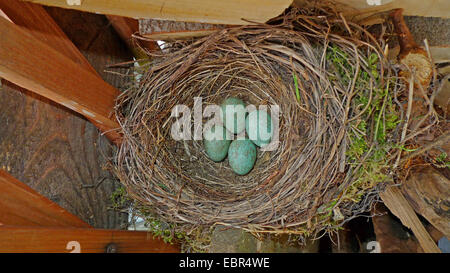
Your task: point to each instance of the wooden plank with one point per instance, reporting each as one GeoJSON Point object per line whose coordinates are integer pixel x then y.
{"type": "Point", "coordinates": [54, 76]}
{"type": "Point", "coordinates": [38, 22]}
{"type": "Point", "coordinates": [59, 154]}
{"type": "Point", "coordinates": [399, 206]}
{"type": "Point", "coordinates": [56, 151]}
{"type": "Point", "coordinates": [428, 192]}
{"type": "Point", "coordinates": [21, 205]}
{"type": "Point", "coordinates": [202, 11]}
{"type": "Point", "coordinates": [172, 30]}
{"type": "Point", "coordinates": [62, 240]}
{"type": "Point", "coordinates": [35, 19]}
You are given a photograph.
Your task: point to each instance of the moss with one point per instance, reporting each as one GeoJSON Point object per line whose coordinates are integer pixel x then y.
{"type": "Point", "coordinates": [443, 160]}
{"type": "Point", "coordinates": [119, 198]}
{"type": "Point", "coordinates": [369, 145]}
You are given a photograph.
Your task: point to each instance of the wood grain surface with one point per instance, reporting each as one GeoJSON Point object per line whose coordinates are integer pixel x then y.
{"type": "Point", "coordinates": [55, 150]}
{"type": "Point", "coordinates": [399, 206]}
{"type": "Point", "coordinates": [32, 64]}
{"type": "Point", "coordinates": [203, 11]}
{"type": "Point", "coordinates": [36, 21]}
{"type": "Point", "coordinates": [82, 240]}
{"type": "Point", "coordinates": [428, 192]}
{"type": "Point", "coordinates": [21, 205]}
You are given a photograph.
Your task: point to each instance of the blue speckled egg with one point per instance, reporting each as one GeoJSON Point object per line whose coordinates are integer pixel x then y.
{"type": "Point", "coordinates": [233, 115]}
{"type": "Point", "coordinates": [216, 141]}
{"type": "Point", "coordinates": [258, 125]}
{"type": "Point", "coordinates": [242, 156]}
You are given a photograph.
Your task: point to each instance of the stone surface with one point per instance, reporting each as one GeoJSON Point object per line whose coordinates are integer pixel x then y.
{"type": "Point", "coordinates": [435, 30]}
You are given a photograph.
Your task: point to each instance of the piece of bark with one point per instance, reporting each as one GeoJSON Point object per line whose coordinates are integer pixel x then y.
{"type": "Point", "coordinates": [434, 233]}
{"type": "Point", "coordinates": [411, 55]}
{"type": "Point", "coordinates": [399, 206]}
{"type": "Point", "coordinates": [436, 30]}
{"type": "Point", "coordinates": [428, 192]}
{"type": "Point", "coordinates": [172, 30]}
{"type": "Point", "coordinates": [391, 235]}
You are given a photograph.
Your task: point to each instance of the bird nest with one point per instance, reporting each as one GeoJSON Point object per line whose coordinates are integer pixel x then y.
{"type": "Point", "coordinates": [340, 125]}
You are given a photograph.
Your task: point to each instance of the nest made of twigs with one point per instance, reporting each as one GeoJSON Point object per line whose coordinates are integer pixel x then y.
{"type": "Point", "coordinates": [315, 180]}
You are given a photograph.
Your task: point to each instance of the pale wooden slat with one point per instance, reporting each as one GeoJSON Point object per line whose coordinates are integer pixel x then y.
{"type": "Point", "coordinates": [203, 11]}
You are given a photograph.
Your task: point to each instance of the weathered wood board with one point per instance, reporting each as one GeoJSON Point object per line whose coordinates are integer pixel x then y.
{"type": "Point", "coordinates": [202, 11]}
{"type": "Point", "coordinates": [21, 205]}
{"type": "Point", "coordinates": [428, 192]}
{"type": "Point", "coordinates": [399, 206]}
{"type": "Point", "coordinates": [56, 151]}
{"type": "Point", "coordinates": [36, 21]}
{"type": "Point", "coordinates": [68, 83]}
